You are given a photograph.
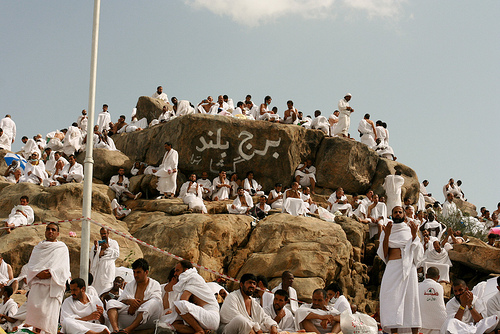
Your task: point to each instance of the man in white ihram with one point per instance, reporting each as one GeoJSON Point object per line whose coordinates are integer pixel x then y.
{"type": "Point", "coordinates": [401, 250]}
{"type": "Point", "coordinates": [367, 130]}
{"type": "Point", "coordinates": [345, 111]}
{"type": "Point", "coordinates": [431, 298]}
{"type": "Point", "coordinates": [20, 215]}
{"type": "Point", "coordinates": [82, 313]}
{"type": "Point", "coordinates": [195, 307]}
{"type": "Point", "coordinates": [9, 128]}
{"type": "Point", "coordinates": [159, 94]}
{"type": "Point", "coordinates": [102, 261]}
{"type": "Point", "coordinates": [167, 172]}
{"type": "Point", "coordinates": [104, 118]}
{"type": "Point", "coordinates": [392, 186]}
{"type": "Point", "coordinates": [48, 271]}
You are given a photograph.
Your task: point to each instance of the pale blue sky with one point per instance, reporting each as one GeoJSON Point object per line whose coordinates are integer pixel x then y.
{"type": "Point", "coordinates": [429, 69]}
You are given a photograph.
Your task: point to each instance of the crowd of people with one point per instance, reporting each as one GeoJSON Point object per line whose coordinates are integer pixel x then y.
{"type": "Point", "coordinates": [413, 242]}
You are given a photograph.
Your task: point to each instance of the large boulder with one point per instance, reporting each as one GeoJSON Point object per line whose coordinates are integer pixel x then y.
{"type": "Point", "coordinates": [306, 246]}
{"type": "Point", "coordinates": [466, 207]}
{"type": "Point", "coordinates": [477, 255]}
{"type": "Point", "coordinates": [107, 163]}
{"type": "Point", "coordinates": [411, 186]}
{"type": "Point", "coordinates": [208, 143]}
{"type": "Point", "coordinates": [209, 240]}
{"type": "Point", "coordinates": [345, 163]}
{"type": "Point", "coordinates": [150, 108]}
{"type": "Point", "coordinates": [56, 204]}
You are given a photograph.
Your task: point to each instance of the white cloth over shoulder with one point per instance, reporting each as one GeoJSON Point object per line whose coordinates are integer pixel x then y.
{"type": "Point", "coordinates": [392, 185]}
{"type": "Point", "coordinates": [167, 172]}
{"type": "Point", "coordinates": [103, 268]}
{"type": "Point", "coordinates": [399, 303]}
{"type": "Point", "coordinates": [46, 295]}
{"type": "Point", "coordinates": [73, 309]}
{"type": "Point", "coordinates": [306, 309]}
{"type": "Point", "coordinates": [18, 219]}
{"type": "Point", "coordinates": [287, 323]}
{"type": "Point", "coordinates": [192, 195]}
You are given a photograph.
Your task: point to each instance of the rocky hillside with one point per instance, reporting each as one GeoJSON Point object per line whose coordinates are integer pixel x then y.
{"type": "Point", "coordinates": [317, 252]}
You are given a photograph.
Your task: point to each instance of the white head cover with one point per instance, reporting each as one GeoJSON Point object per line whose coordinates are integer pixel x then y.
{"type": "Point", "coordinates": [348, 94]}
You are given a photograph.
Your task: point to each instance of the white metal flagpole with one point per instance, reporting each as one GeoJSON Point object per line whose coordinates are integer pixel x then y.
{"type": "Point", "coordinates": [89, 161]}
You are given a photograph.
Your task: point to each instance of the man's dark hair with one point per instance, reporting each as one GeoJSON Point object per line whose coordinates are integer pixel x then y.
{"type": "Point", "coordinates": [79, 282]}
{"type": "Point", "coordinates": [90, 279]}
{"type": "Point", "coordinates": [286, 273]}
{"type": "Point", "coordinates": [432, 272]}
{"type": "Point", "coordinates": [186, 264]}
{"type": "Point", "coordinates": [289, 102]}
{"type": "Point", "coordinates": [8, 289]}
{"type": "Point", "coordinates": [458, 282]}
{"type": "Point", "coordinates": [249, 172]}
{"type": "Point", "coordinates": [335, 287]}
{"type": "Point", "coordinates": [323, 292]}
{"type": "Point", "coordinates": [123, 116]}
{"type": "Point", "coordinates": [140, 263]}
{"type": "Point", "coordinates": [263, 279]}
{"type": "Point", "coordinates": [104, 105]}
{"type": "Point", "coordinates": [367, 116]}
{"type": "Point", "coordinates": [278, 185]}
{"type": "Point", "coordinates": [239, 104]}
{"type": "Point", "coordinates": [54, 224]}
{"type": "Point", "coordinates": [492, 236]}
{"type": "Point", "coordinates": [24, 137]}
{"type": "Point", "coordinates": [267, 98]}
{"type": "Point", "coordinates": [75, 124]}
{"type": "Point", "coordinates": [168, 143]}
{"type": "Point", "coordinates": [26, 198]}
{"type": "Point", "coordinates": [283, 293]}
{"type": "Point", "coordinates": [249, 96]}
{"type": "Point", "coordinates": [248, 277]}
{"type": "Point", "coordinates": [158, 87]}
{"type": "Point", "coordinates": [225, 97]}
{"type": "Point", "coordinates": [71, 155]}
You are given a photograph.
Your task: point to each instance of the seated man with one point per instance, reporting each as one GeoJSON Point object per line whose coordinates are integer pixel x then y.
{"type": "Point", "coordinates": [318, 317]}
{"type": "Point", "coordinates": [206, 185]}
{"type": "Point", "coordinates": [13, 173]}
{"type": "Point", "coordinates": [114, 292]}
{"type": "Point", "coordinates": [194, 302]}
{"type": "Point", "coordinates": [452, 188]}
{"type": "Point", "coordinates": [286, 284]}
{"type": "Point", "coordinates": [119, 211]}
{"type": "Point", "coordinates": [305, 174]}
{"type": "Point", "coordinates": [34, 171]}
{"type": "Point", "coordinates": [140, 303]}
{"type": "Point", "coordinates": [73, 140]}
{"type": "Point", "coordinates": [337, 299]}
{"type": "Point", "coordinates": [251, 186]}
{"type": "Point", "coordinates": [135, 125]}
{"type": "Point", "coordinates": [221, 187]}
{"type": "Point", "coordinates": [241, 314]}
{"type": "Point", "coordinates": [82, 312]}
{"type": "Point", "coordinates": [438, 257]}
{"type": "Point", "coordinates": [275, 199]}
{"type": "Point", "coordinates": [434, 227]}
{"type": "Point", "coordinates": [8, 309]}
{"type": "Point", "coordinates": [291, 114]}
{"type": "Point", "coordinates": [165, 116]}
{"type": "Point", "coordinates": [306, 197]}
{"type": "Point", "coordinates": [427, 195]}
{"type": "Point", "coordinates": [293, 203]}
{"type": "Point", "coordinates": [20, 215]}
{"type": "Point", "coordinates": [431, 297]}
{"type": "Point", "coordinates": [71, 172]}
{"type": "Point", "coordinates": [192, 194]}
{"type": "Point", "coordinates": [120, 183]}
{"type": "Point", "coordinates": [338, 202]}
{"type": "Point", "coordinates": [279, 313]}
{"type": "Point", "coordinates": [181, 108]}
{"type": "Point", "coordinates": [208, 106]}
{"type": "Point", "coordinates": [159, 94]}
{"type": "Point", "coordinates": [241, 204]}
{"type": "Point", "coordinates": [466, 312]}
{"type": "Point", "coordinates": [261, 209]}
{"type": "Point", "coordinates": [320, 123]}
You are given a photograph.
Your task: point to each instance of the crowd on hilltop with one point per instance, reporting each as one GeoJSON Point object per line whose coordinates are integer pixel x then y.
{"type": "Point", "coordinates": [414, 241]}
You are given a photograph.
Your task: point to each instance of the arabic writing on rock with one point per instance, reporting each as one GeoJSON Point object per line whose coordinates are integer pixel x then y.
{"type": "Point", "coordinates": [246, 150]}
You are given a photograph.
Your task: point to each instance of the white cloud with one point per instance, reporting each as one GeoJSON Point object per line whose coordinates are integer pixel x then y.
{"type": "Point", "coordinates": [256, 12]}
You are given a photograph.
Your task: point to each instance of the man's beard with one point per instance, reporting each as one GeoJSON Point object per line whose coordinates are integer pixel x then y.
{"type": "Point", "coordinates": [398, 220]}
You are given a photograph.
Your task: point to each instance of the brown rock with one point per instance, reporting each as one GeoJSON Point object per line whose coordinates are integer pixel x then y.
{"type": "Point", "coordinates": [477, 255]}
{"type": "Point", "coordinates": [107, 163]}
{"type": "Point", "coordinates": [411, 187]}
{"type": "Point", "coordinates": [345, 163]}
{"type": "Point", "coordinates": [354, 230]}
{"type": "Point", "coordinates": [304, 286]}
{"type": "Point", "coordinates": [150, 108]}
{"type": "Point", "coordinates": [204, 239]}
{"type": "Point", "coordinates": [466, 207]}
{"type": "Point", "coordinates": [210, 143]}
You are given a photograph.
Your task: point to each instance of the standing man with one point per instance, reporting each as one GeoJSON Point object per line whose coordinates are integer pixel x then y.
{"type": "Point", "coordinates": [342, 128]}
{"type": "Point", "coordinates": [9, 128]}
{"type": "Point", "coordinates": [167, 172]}
{"type": "Point", "coordinates": [104, 118]}
{"type": "Point", "coordinates": [286, 284]}
{"type": "Point", "coordinates": [367, 131]}
{"type": "Point", "coordinates": [48, 271]}
{"type": "Point", "coordinates": [392, 186]}
{"type": "Point", "coordinates": [401, 250]}
{"type": "Point", "coordinates": [102, 261]}
{"type": "Point", "coordinates": [431, 298]}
